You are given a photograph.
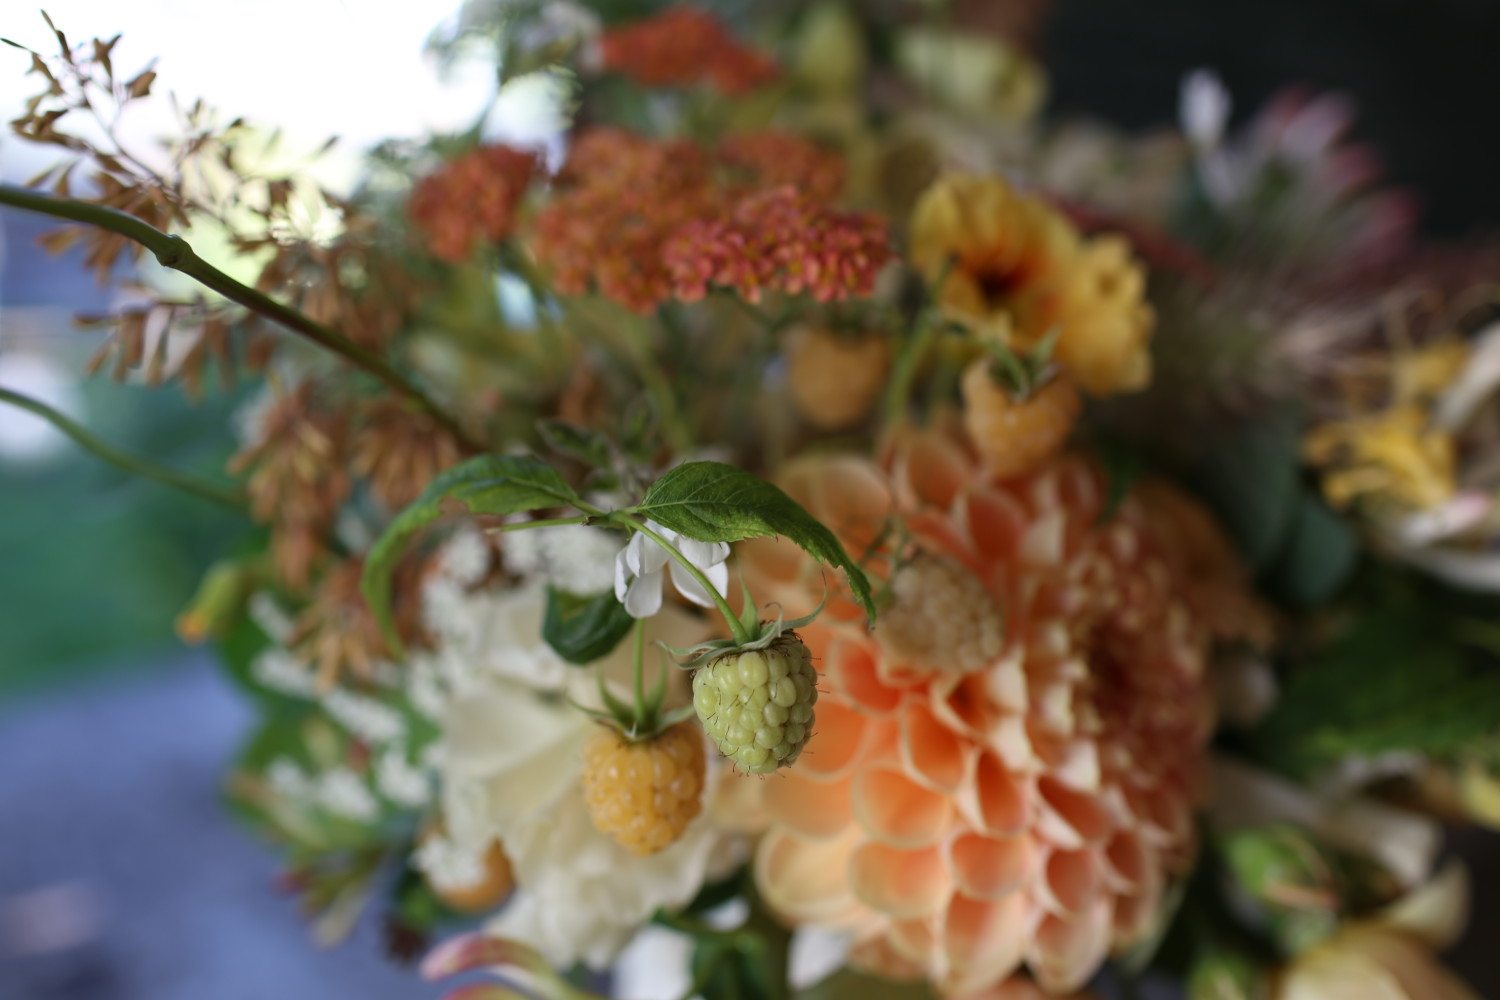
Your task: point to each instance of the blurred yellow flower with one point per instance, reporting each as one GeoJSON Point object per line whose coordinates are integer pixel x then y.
{"type": "Point", "coordinates": [1394, 456]}
{"type": "Point", "coordinates": [1015, 269]}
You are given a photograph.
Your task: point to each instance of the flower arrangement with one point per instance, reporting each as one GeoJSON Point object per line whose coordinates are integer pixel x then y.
{"type": "Point", "coordinates": [816, 516]}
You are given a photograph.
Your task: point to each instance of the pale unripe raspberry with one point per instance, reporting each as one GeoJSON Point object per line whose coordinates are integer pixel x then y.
{"type": "Point", "coordinates": [835, 379]}
{"type": "Point", "coordinates": [645, 793]}
{"type": "Point", "coordinates": [757, 704]}
{"type": "Point", "coordinates": [942, 617]}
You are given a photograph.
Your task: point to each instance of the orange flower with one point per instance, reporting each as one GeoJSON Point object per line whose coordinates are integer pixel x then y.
{"type": "Point", "coordinates": [980, 802]}
{"type": "Point", "coordinates": [1015, 269]}
{"type": "Point", "coordinates": [682, 46]}
{"type": "Point", "coordinates": [471, 200]}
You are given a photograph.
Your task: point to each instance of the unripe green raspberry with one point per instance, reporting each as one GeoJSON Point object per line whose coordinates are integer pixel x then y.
{"type": "Point", "coordinates": [757, 704]}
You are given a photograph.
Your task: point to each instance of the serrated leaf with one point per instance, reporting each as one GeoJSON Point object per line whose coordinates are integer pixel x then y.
{"type": "Point", "coordinates": [582, 629]}
{"type": "Point", "coordinates": [488, 484]}
{"type": "Point", "coordinates": [714, 502]}
{"type": "Point", "coordinates": [1390, 684]}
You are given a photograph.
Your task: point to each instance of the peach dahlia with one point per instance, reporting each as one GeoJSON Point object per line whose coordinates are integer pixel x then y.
{"type": "Point", "coordinates": [1004, 772]}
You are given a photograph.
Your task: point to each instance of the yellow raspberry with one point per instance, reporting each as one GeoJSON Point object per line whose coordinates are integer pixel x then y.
{"type": "Point", "coordinates": [644, 793]}
{"type": "Point", "coordinates": [1016, 436]}
{"type": "Point", "coordinates": [835, 378]}
{"type": "Point", "coordinates": [757, 704]}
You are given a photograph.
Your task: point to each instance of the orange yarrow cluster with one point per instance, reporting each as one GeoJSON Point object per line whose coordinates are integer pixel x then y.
{"type": "Point", "coordinates": [641, 220]}
{"type": "Point", "coordinates": [779, 241]}
{"type": "Point", "coordinates": [471, 200]}
{"type": "Point", "coordinates": [683, 46]}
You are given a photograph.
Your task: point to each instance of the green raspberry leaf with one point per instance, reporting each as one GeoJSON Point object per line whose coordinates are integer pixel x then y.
{"type": "Point", "coordinates": [582, 629]}
{"type": "Point", "coordinates": [488, 484]}
{"type": "Point", "coordinates": [714, 502]}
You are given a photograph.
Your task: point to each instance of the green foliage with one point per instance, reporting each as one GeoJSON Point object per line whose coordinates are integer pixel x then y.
{"type": "Point", "coordinates": [714, 502]}
{"type": "Point", "coordinates": [583, 629]}
{"type": "Point", "coordinates": [1392, 682]}
{"type": "Point", "coordinates": [1302, 551]}
{"type": "Point", "coordinates": [489, 484]}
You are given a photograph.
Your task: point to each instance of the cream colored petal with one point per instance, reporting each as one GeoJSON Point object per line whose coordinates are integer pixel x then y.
{"type": "Point", "coordinates": [807, 881]}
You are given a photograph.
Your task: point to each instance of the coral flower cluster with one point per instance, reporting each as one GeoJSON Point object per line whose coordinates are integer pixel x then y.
{"type": "Point", "coordinates": [642, 220]}
{"type": "Point", "coordinates": [471, 200]}
{"type": "Point", "coordinates": [1017, 270]}
{"type": "Point", "coordinates": [683, 46]}
{"type": "Point", "coordinates": [1005, 772]}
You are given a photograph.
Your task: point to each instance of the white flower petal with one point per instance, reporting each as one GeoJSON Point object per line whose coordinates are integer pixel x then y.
{"type": "Point", "coordinates": [702, 554]}
{"type": "Point", "coordinates": [643, 597]}
{"type": "Point", "coordinates": [687, 586]}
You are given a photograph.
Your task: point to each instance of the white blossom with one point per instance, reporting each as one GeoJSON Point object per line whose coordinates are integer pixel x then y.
{"type": "Point", "coordinates": [364, 717]}
{"type": "Point", "coordinates": [401, 782]}
{"type": "Point", "coordinates": [570, 557]}
{"type": "Point", "coordinates": [344, 793]}
{"type": "Point", "coordinates": [279, 670]}
{"type": "Point", "coordinates": [643, 565]}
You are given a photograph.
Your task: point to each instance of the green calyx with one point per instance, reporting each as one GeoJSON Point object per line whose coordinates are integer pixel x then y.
{"type": "Point", "coordinates": [761, 634]}
{"type": "Point", "coordinates": [644, 717]}
{"type": "Point", "coordinates": [1021, 374]}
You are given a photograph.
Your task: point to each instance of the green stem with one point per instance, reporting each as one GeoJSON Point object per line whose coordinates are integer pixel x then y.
{"type": "Point", "coordinates": [730, 618]}
{"type": "Point", "coordinates": [175, 253]}
{"type": "Point", "coordinates": [124, 460]}
{"type": "Point", "coordinates": [638, 667]}
{"type": "Point", "coordinates": [905, 371]}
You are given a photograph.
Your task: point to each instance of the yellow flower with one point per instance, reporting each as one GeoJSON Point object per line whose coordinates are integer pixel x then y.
{"type": "Point", "coordinates": [1395, 456]}
{"type": "Point", "coordinates": [1015, 269]}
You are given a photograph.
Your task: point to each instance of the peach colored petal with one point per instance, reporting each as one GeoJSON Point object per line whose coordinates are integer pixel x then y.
{"type": "Point", "coordinates": [998, 801]}
{"type": "Point", "coordinates": [850, 496]}
{"type": "Point", "coordinates": [1069, 818]}
{"type": "Point", "coordinates": [839, 735]}
{"type": "Point", "coordinates": [1129, 865]}
{"type": "Point", "coordinates": [895, 810]}
{"type": "Point", "coordinates": [1065, 952]}
{"type": "Point", "coordinates": [995, 523]}
{"type": "Point", "coordinates": [914, 940]}
{"type": "Point", "coordinates": [897, 882]}
{"type": "Point", "coordinates": [1135, 916]}
{"type": "Point", "coordinates": [984, 940]}
{"type": "Point", "coordinates": [1069, 881]}
{"type": "Point", "coordinates": [811, 808]}
{"type": "Point", "coordinates": [852, 668]}
{"type": "Point", "coordinates": [990, 867]}
{"type": "Point", "coordinates": [934, 754]}
{"type": "Point", "coordinates": [931, 469]}
{"type": "Point", "coordinates": [807, 880]}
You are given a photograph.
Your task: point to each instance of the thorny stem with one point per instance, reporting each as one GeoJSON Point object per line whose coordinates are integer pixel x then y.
{"type": "Point", "coordinates": [730, 618]}
{"type": "Point", "coordinates": [175, 253]}
{"type": "Point", "coordinates": [201, 488]}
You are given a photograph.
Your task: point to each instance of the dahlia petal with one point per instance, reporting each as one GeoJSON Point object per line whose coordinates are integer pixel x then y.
{"type": "Point", "coordinates": [998, 801]}
{"type": "Point", "coordinates": [1005, 682]}
{"type": "Point", "coordinates": [807, 880]}
{"type": "Point", "coordinates": [852, 498]}
{"type": "Point", "coordinates": [840, 735]}
{"type": "Point", "coordinates": [995, 523]}
{"type": "Point", "coordinates": [984, 940]}
{"type": "Point", "coordinates": [1129, 863]}
{"type": "Point", "coordinates": [897, 882]}
{"type": "Point", "coordinates": [811, 808]}
{"type": "Point", "coordinates": [895, 810]}
{"type": "Point", "coordinates": [1010, 739]}
{"type": "Point", "coordinates": [931, 752]}
{"type": "Point", "coordinates": [1069, 818]}
{"type": "Point", "coordinates": [853, 671]}
{"type": "Point", "coordinates": [1135, 917]}
{"type": "Point", "coordinates": [1042, 545]}
{"type": "Point", "coordinates": [1075, 763]}
{"type": "Point", "coordinates": [1070, 881]}
{"type": "Point", "coordinates": [1066, 952]}
{"type": "Point", "coordinates": [913, 940]}
{"type": "Point", "coordinates": [930, 470]}
{"type": "Point", "coordinates": [990, 867]}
